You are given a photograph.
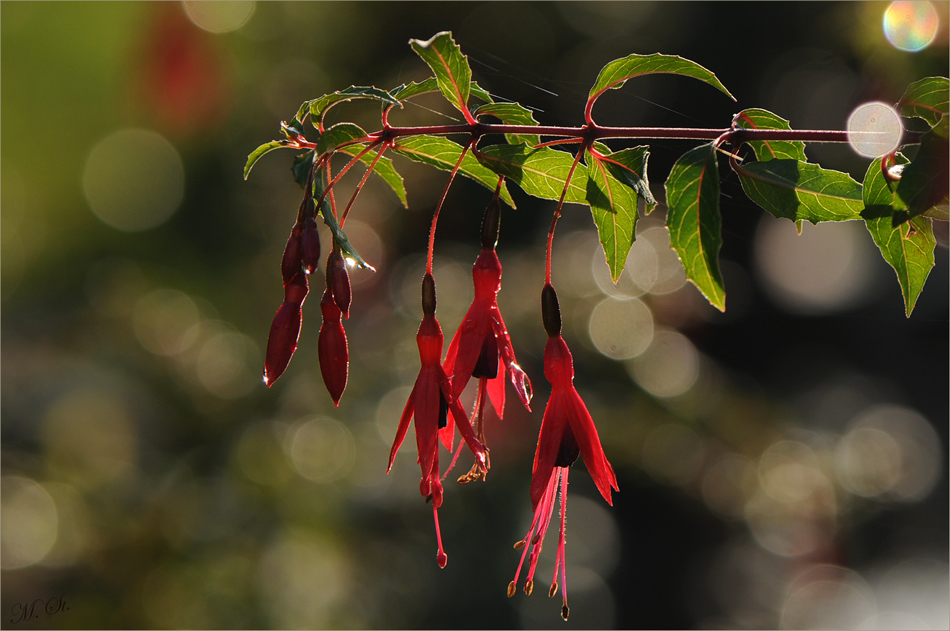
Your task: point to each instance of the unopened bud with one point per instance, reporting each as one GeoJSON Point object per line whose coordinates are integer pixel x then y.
{"type": "Point", "coordinates": [290, 263]}
{"type": "Point", "coordinates": [511, 589]}
{"type": "Point", "coordinates": [491, 223]}
{"type": "Point", "coordinates": [338, 281]}
{"type": "Point", "coordinates": [310, 246]}
{"type": "Point", "coordinates": [428, 295]}
{"type": "Point", "coordinates": [550, 311]}
{"type": "Point", "coordinates": [332, 349]}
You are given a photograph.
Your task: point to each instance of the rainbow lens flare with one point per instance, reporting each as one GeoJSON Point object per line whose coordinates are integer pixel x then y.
{"type": "Point", "coordinates": [911, 26]}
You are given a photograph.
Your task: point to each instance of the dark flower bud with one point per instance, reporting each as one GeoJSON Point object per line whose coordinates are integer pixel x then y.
{"type": "Point", "coordinates": [290, 263]}
{"type": "Point", "coordinates": [310, 246]}
{"type": "Point", "coordinates": [550, 311]}
{"type": "Point", "coordinates": [338, 281]}
{"type": "Point", "coordinates": [428, 295]}
{"type": "Point", "coordinates": [332, 349]}
{"type": "Point", "coordinates": [491, 223]}
{"type": "Point", "coordinates": [285, 329]}
{"type": "Point", "coordinates": [296, 289]}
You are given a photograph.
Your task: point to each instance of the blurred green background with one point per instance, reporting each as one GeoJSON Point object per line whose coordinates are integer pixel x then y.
{"type": "Point", "coordinates": [781, 465]}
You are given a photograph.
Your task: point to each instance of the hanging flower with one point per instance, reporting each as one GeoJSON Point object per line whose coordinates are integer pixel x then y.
{"type": "Point", "coordinates": [567, 430]}
{"type": "Point", "coordinates": [429, 403]}
{"type": "Point", "coordinates": [482, 338]}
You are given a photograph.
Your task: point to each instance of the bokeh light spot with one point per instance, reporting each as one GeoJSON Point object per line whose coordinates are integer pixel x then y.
{"type": "Point", "coordinates": [90, 440]}
{"type": "Point", "coordinates": [910, 26]}
{"type": "Point", "coordinates": [134, 180]}
{"type": "Point", "coordinates": [874, 130]}
{"type": "Point", "coordinates": [164, 321]}
{"type": "Point", "coordinates": [824, 269]}
{"type": "Point", "coordinates": [621, 329]}
{"type": "Point", "coordinates": [28, 529]}
{"type": "Point", "coordinates": [222, 365]}
{"type": "Point", "coordinates": [669, 367]}
{"type": "Point", "coordinates": [321, 449]}
{"type": "Point", "coordinates": [220, 16]}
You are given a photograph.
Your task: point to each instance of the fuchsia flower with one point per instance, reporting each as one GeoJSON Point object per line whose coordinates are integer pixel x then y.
{"type": "Point", "coordinates": [285, 329]}
{"type": "Point", "coordinates": [429, 403]}
{"type": "Point", "coordinates": [567, 430]}
{"type": "Point", "coordinates": [482, 337]}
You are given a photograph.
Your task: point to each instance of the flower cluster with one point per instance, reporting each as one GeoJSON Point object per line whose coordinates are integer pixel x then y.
{"type": "Point", "coordinates": [481, 350]}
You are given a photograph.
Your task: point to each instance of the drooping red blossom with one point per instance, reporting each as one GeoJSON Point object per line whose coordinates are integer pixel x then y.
{"type": "Point", "coordinates": [332, 348]}
{"type": "Point", "coordinates": [482, 338]}
{"type": "Point", "coordinates": [429, 403]}
{"type": "Point", "coordinates": [285, 329]}
{"type": "Point", "coordinates": [567, 430]}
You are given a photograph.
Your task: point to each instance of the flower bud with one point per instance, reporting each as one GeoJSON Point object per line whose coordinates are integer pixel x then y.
{"type": "Point", "coordinates": [310, 246]}
{"type": "Point", "coordinates": [290, 263]}
{"type": "Point", "coordinates": [285, 329]}
{"type": "Point", "coordinates": [428, 295]}
{"type": "Point", "coordinates": [550, 311]}
{"type": "Point", "coordinates": [332, 349]}
{"type": "Point", "coordinates": [491, 223]}
{"type": "Point", "coordinates": [338, 281]}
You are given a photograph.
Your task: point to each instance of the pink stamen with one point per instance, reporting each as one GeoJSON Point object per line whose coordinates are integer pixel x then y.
{"type": "Point", "coordinates": [441, 557]}
{"type": "Point", "coordinates": [562, 559]}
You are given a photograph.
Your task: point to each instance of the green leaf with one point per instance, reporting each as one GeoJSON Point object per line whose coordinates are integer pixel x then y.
{"type": "Point", "coordinates": [407, 91]}
{"type": "Point", "coordinates": [337, 135]}
{"type": "Point", "coordinates": [616, 73]}
{"type": "Point", "coordinates": [909, 247]}
{"type": "Point", "coordinates": [449, 65]}
{"type": "Point", "coordinates": [540, 172]}
{"type": "Point", "coordinates": [694, 222]}
{"type": "Point", "coordinates": [630, 167]}
{"type": "Point", "coordinates": [301, 167]}
{"type": "Point", "coordinates": [255, 155]}
{"type": "Point", "coordinates": [384, 169]}
{"type": "Point", "coordinates": [442, 153]}
{"type": "Point", "coordinates": [326, 211]}
{"type": "Point", "coordinates": [512, 114]}
{"type": "Point", "coordinates": [801, 191]}
{"type": "Point", "coordinates": [613, 205]}
{"type": "Point", "coordinates": [925, 181]}
{"type": "Point", "coordinates": [317, 108]}
{"type": "Point", "coordinates": [770, 149]}
{"type": "Point", "coordinates": [926, 99]}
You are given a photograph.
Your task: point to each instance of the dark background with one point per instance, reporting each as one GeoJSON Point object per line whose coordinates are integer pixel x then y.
{"type": "Point", "coordinates": [150, 480]}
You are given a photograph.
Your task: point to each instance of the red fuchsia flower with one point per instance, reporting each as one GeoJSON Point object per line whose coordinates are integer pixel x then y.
{"type": "Point", "coordinates": [482, 338]}
{"type": "Point", "coordinates": [429, 403]}
{"type": "Point", "coordinates": [567, 430]}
